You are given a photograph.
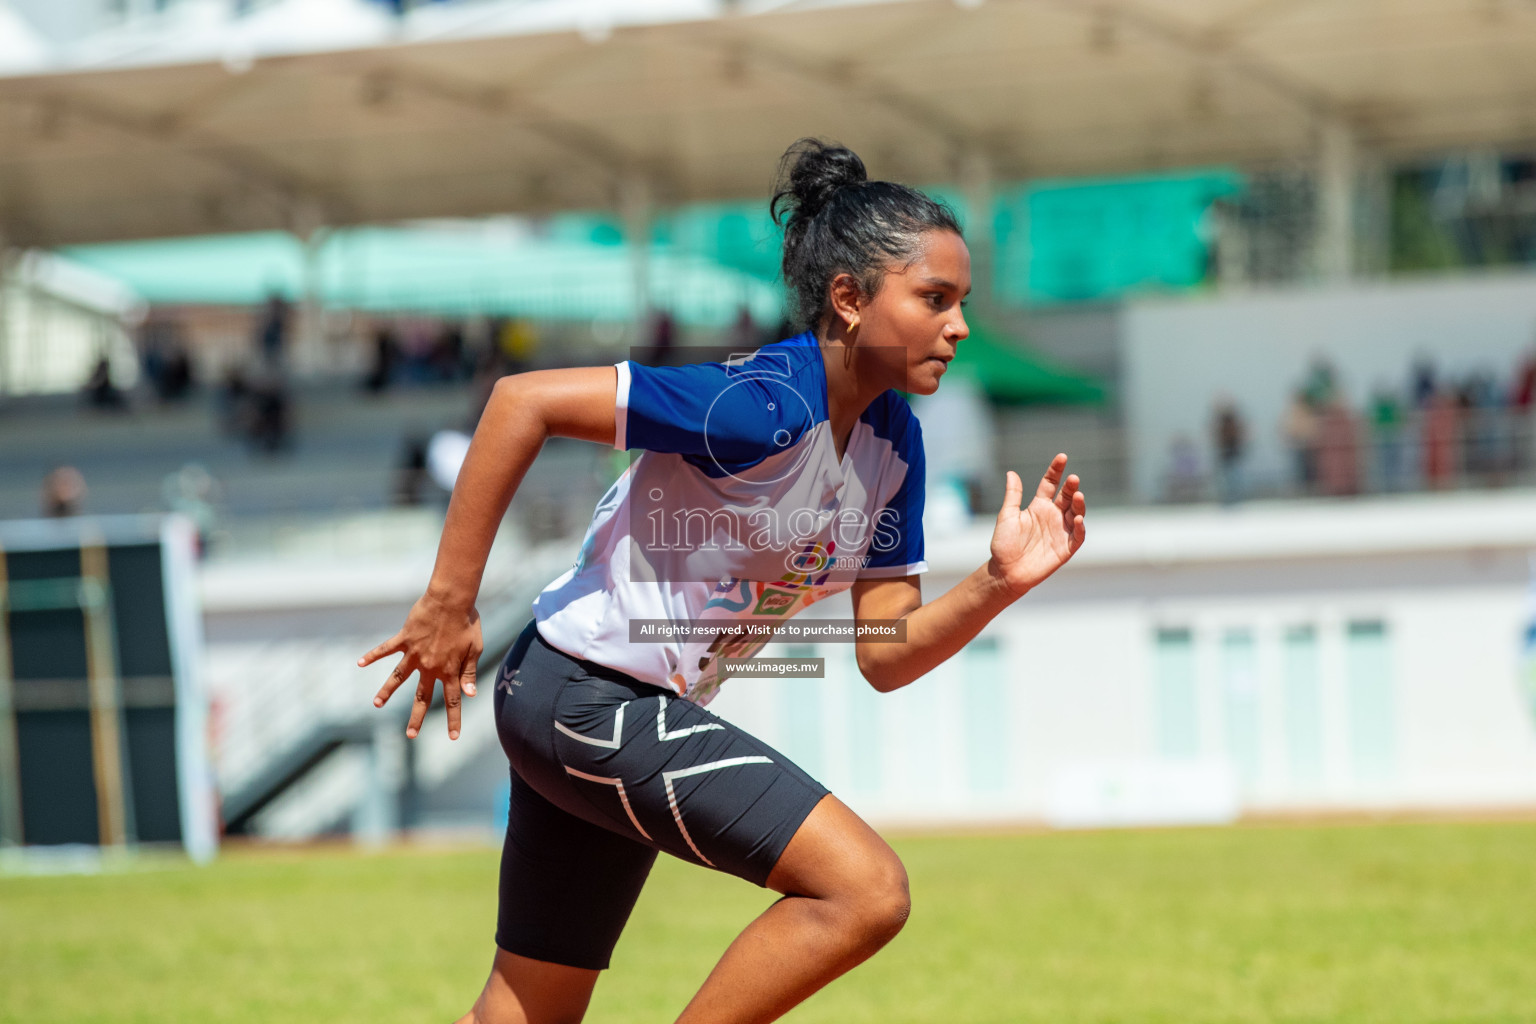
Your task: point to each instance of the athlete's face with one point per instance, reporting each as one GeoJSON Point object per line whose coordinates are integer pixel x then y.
{"type": "Point", "coordinates": [915, 321]}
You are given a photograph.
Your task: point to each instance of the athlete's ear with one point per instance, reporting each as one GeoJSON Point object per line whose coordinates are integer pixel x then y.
{"type": "Point", "coordinates": [846, 300]}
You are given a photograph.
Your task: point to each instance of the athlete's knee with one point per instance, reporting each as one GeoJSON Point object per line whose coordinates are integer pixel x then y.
{"type": "Point", "coordinates": [892, 899]}
{"type": "Point", "coordinates": [879, 906]}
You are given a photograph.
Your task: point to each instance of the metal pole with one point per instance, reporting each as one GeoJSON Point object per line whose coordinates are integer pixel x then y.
{"type": "Point", "coordinates": [307, 222]}
{"type": "Point", "coordinates": [976, 183]}
{"type": "Point", "coordinates": [635, 209]}
{"type": "Point", "coordinates": [10, 753]}
{"type": "Point", "coordinates": [312, 309]}
{"type": "Point", "coordinates": [5, 317]}
{"type": "Point", "coordinates": [1338, 160]}
{"type": "Point", "coordinates": [114, 813]}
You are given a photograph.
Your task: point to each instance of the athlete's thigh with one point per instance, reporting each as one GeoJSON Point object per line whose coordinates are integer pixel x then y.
{"type": "Point", "coordinates": [567, 885]}
{"type": "Point", "coordinates": [835, 852]}
{"type": "Point", "coordinates": [667, 772]}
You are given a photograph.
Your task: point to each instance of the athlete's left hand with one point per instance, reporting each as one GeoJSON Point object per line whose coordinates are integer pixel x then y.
{"type": "Point", "coordinates": [440, 640]}
{"type": "Point", "coordinates": [1030, 543]}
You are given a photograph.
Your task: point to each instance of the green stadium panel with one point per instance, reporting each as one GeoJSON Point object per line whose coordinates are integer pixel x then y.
{"type": "Point", "coordinates": [1301, 672]}
{"type": "Point", "coordinates": [1240, 685]}
{"type": "Point", "coordinates": [1097, 240]}
{"type": "Point", "coordinates": [102, 728]}
{"type": "Point", "coordinates": [1372, 712]}
{"type": "Point", "coordinates": [1175, 695]}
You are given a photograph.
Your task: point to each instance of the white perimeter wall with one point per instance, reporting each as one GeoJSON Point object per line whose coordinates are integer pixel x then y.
{"type": "Point", "coordinates": [1080, 713]}
{"type": "Point", "coordinates": [1179, 355]}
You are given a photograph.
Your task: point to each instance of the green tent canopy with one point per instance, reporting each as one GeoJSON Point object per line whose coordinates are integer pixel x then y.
{"type": "Point", "coordinates": [1011, 374]}
{"type": "Point", "coordinates": [445, 269]}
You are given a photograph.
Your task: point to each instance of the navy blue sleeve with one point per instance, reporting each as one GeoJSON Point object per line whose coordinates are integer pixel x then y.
{"type": "Point", "coordinates": [896, 549]}
{"type": "Point", "coordinates": [710, 410]}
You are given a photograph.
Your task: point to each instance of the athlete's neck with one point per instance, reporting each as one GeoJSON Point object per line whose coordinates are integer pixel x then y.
{"type": "Point", "coordinates": [847, 395]}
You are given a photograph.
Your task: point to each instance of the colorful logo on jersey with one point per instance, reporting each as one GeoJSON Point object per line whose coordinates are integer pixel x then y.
{"type": "Point", "coordinates": [733, 594]}
{"type": "Point", "coordinates": [775, 602]}
{"type": "Point", "coordinates": [805, 565]}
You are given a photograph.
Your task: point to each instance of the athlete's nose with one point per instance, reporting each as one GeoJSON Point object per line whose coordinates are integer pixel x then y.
{"type": "Point", "coordinates": [959, 330]}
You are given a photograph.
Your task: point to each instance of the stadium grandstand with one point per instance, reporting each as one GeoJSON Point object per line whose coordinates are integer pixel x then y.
{"type": "Point", "coordinates": [1265, 270]}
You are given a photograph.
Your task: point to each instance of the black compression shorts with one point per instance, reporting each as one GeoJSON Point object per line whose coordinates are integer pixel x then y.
{"type": "Point", "coordinates": [606, 771]}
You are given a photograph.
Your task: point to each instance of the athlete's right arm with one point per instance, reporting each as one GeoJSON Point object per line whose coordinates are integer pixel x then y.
{"type": "Point", "coordinates": [524, 411]}
{"type": "Point", "coordinates": [441, 635]}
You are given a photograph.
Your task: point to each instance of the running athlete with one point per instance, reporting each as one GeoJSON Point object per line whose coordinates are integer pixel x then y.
{"type": "Point", "coordinates": [766, 482]}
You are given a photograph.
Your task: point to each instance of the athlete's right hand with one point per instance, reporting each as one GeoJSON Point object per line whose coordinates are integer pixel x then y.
{"type": "Point", "coordinates": [438, 642]}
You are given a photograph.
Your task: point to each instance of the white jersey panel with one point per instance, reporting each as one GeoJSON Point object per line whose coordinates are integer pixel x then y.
{"type": "Point", "coordinates": [750, 517]}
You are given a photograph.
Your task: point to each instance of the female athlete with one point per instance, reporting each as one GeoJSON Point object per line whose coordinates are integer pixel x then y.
{"type": "Point", "coordinates": [766, 482]}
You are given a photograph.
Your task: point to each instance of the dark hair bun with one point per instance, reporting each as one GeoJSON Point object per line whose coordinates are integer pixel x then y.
{"type": "Point", "coordinates": [836, 220]}
{"type": "Point", "coordinates": [810, 174]}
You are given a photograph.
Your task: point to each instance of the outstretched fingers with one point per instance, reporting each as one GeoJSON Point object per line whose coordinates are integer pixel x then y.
{"type": "Point", "coordinates": [393, 645]}
{"type": "Point", "coordinates": [421, 705]}
{"type": "Point", "coordinates": [468, 673]}
{"type": "Point", "coordinates": [1052, 478]}
{"type": "Point", "coordinates": [453, 699]}
{"type": "Point", "coordinates": [399, 674]}
{"type": "Point", "coordinates": [1068, 493]}
{"type": "Point", "coordinates": [1078, 510]}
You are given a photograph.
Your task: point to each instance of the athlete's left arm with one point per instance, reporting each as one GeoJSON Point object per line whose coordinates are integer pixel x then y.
{"type": "Point", "coordinates": [1029, 543]}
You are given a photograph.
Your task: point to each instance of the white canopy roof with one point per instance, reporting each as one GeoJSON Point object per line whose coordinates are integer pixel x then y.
{"type": "Point", "coordinates": [351, 115]}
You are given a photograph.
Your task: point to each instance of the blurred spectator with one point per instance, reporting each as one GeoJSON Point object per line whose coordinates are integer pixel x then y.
{"type": "Point", "coordinates": [448, 352]}
{"type": "Point", "coordinates": [1523, 395]}
{"type": "Point", "coordinates": [745, 336]}
{"type": "Point", "coordinates": [1321, 385]}
{"type": "Point", "coordinates": [479, 337]}
{"type": "Point", "coordinates": [163, 353]}
{"type": "Point", "coordinates": [1522, 403]}
{"type": "Point", "coordinates": [1485, 436]}
{"type": "Point", "coordinates": [1338, 462]}
{"type": "Point", "coordinates": [272, 329]}
{"type": "Point", "coordinates": [269, 413]}
{"type": "Point", "coordinates": [1387, 425]}
{"type": "Point", "coordinates": [234, 402]}
{"type": "Point", "coordinates": [518, 342]}
{"type": "Point", "coordinates": [1437, 439]}
{"type": "Point", "coordinates": [1424, 386]}
{"type": "Point", "coordinates": [99, 390]}
{"type": "Point", "coordinates": [176, 376]}
{"type": "Point", "coordinates": [417, 348]}
{"type": "Point", "coordinates": [385, 354]}
{"type": "Point", "coordinates": [1301, 434]}
{"type": "Point", "coordinates": [63, 493]}
{"type": "Point", "coordinates": [411, 478]}
{"type": "Point", "coordinates": [1231, 437]}
{"type": "Point", "coordinates": [663, 338]}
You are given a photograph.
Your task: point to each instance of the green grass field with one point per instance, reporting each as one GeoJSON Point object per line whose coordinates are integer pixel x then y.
{"type": "Point", "coordinates": [1396, 924]}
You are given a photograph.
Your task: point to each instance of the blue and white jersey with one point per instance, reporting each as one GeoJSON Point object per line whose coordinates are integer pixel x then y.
{"type": "Point", "coordinates": [737, 510]}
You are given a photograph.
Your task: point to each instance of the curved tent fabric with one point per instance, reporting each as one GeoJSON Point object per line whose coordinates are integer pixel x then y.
{"type": "Point", "coordinates": [233, 270]}
{"type": "Point", "coordinates": [1013, 375]}
{"type": "Point", "coordinates": [445, 271]}
{"type": "Point", "coordinates": [501, 106]}
{"type": "Point", "coordinates": [21, 48]}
